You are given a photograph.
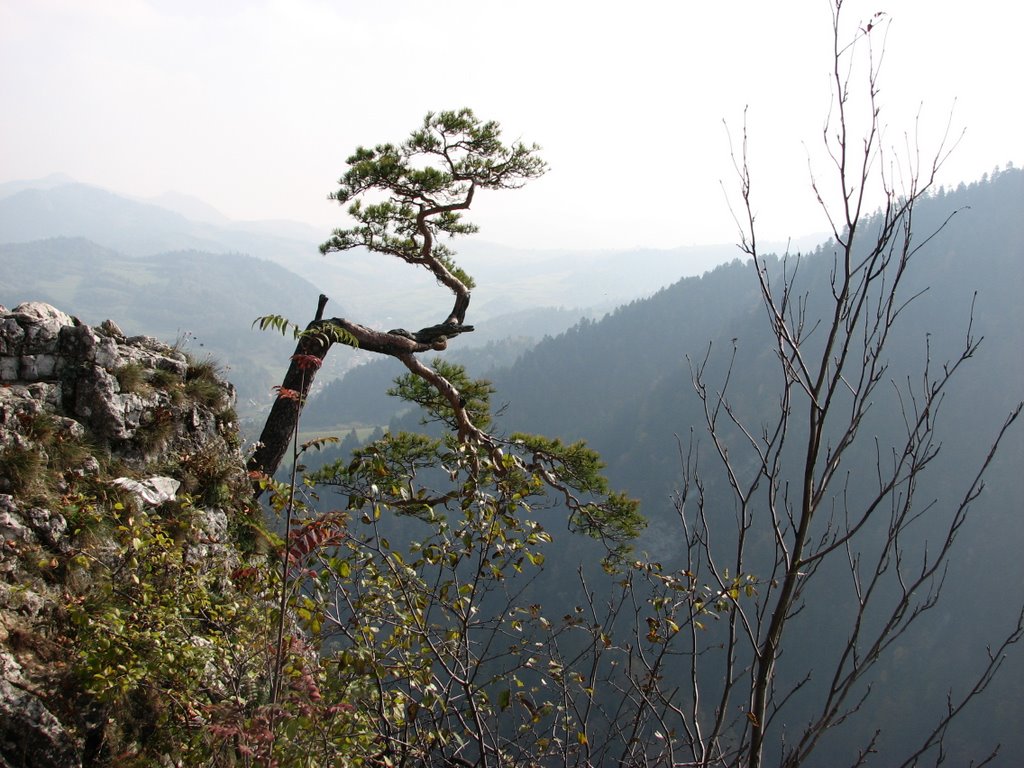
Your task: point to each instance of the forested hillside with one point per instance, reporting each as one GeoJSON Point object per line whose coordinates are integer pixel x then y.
{"type": "Point", "coordinates": [626, 384]}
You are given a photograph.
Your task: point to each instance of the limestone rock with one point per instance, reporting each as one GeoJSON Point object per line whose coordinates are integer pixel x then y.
{"type": "Point", "coordinates": [75, 401]}
{"type": "Point", "coordinates": [30, 734]}
{"type": "Point", "coordinates": [153, 491]}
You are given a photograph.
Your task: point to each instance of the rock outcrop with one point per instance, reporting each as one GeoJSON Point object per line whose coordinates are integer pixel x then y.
{"type": "Point", "coordinates": [48, 357]}
{"type": "Point", "coordinates": [94, 424]}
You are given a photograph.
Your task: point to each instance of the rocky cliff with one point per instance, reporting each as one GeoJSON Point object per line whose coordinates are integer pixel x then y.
{"type": "Point", "coordinates": [124, 524]}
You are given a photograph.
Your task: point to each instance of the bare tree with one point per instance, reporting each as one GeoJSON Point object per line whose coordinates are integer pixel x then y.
{"type": "Point", "coordinates": [801, 513]}
{"type": "Point", "coordinates": [793, 479]}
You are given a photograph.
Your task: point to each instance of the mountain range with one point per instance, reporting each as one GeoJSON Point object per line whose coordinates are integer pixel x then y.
{"type": "Point", "coordinates": [94, 250]}
{"type": "Point", "coordinates": [510, 280]}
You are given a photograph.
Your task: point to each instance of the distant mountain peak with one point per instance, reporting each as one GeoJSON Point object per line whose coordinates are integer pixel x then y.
{"type": "Point", "coordinates": [189, 206]}
{"type": "Point", "coordinates": [9, 188]}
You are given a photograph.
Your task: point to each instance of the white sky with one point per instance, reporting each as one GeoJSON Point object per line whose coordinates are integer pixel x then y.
{"type": "Point", "coordinates": [254, 106]}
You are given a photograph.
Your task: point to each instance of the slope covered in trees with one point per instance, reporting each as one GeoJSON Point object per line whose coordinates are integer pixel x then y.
{"type": "Point", "coordinates": [626, 384]}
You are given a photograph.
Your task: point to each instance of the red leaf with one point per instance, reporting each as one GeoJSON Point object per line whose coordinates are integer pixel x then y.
{"type": "Point", "coordinates": [307, 362]}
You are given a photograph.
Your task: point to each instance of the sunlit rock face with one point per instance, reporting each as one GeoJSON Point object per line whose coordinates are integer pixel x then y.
{"type": "Point", "coordinates": [81, 369]}
{"type": "Point", "coordinates": [82, 409]}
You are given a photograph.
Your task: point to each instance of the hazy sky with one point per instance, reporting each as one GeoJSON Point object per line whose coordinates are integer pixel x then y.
{"type": "Point", "coordinates": [254, 106]}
